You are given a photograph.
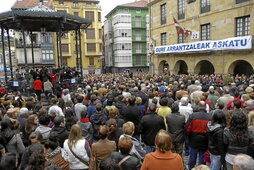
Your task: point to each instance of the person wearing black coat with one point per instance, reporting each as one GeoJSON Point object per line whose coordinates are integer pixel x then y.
{"type": "Point", "coordinates": [176, 128]}
{"type": "Point", "coordinates": [150, 125]}
{"type": "Point", "coordinates": [132, 113]}
{"type": "Point", "coordinates": [216, 145]}
{"type": "Point", "coordinates": [60, 129]}
{"type": "Point", "coordinates": [131, 162]}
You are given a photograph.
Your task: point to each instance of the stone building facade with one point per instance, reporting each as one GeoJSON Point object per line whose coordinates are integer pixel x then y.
{"type": "Point", "coordinates": [208, 21]}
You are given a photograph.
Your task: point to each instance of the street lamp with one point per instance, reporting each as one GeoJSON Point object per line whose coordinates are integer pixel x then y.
{"type": "Point", "coordinates": [151, 56]}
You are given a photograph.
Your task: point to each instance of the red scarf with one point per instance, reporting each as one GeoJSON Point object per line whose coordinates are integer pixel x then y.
{"type": "Point", "coordinates": [84, 119]}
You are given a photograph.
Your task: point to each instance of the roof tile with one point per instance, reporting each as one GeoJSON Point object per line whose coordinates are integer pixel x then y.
{"type": "Point", "coordinates": [30, 4]}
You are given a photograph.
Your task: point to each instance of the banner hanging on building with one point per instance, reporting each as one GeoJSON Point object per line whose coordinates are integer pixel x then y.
{"type": "Point", "coordinates": [235, 43]}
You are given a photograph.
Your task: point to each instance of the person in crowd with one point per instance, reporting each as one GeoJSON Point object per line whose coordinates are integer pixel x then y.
{"type": "Point", "coordinates": [79, 107]}
{"type": "Point", "coordinates": [150, 125]}
{"type": "Point", "coordinates": [109, 164]}
{"type": "Point", "coordinates": [97, 119]}
{"type": "Point", "coordinates": [9, 161]}
{"type": "Point", "coordinates": [36, 146]}
{"type": "Point", "coordinates": [182, 92]}
{"type": "Point", "coordinates": [22, 119]}
{"type": "Point", "coordinates": [44, 128]}
{"type": "Point", "coordinates": [128, 131]}
{"type": "Point", "coordinates": [53, 152]}
{"type": "Point", "coordinates": [197, 133]}
{"type": "Point", "coordinates": [57, 89]}
{"type": "Point", "coordinates": [101, 90]}
{"type": "Point", "coordinates": [91, 109]}
{"type": "Point", "coordinates": [230, 105]}
{"type": "Point", "coordinates": [104, 147]}
{"type": "Point", "coordinates": [55, 108]}
{"type": "Point", "coordinates": [164, 110]}
{"type": "Point", "coordinates": [123, 158]}
{"type": "Point", "coordinates": [237, 137]}
{"type": "Point", "coordinates": [215, 145]}
{"type": "Point", "coordinates": [243, 162]}
{"type": "Point", "coordinates": [114, 132]}
{"type": "Point", "coordinates": [163, 158]}
{"type": "Point", "coordinates": [36, 161]}
{"type": "Point", "coordinates": [226, 97]}
{"type": "Point", "coordinates": [70, 119]}
{"type": "Point", "coordinates": [176, 129]}
{"type": "Point", "coordinates": [132, 113]}
{"type": "Point", "coordinates": [11, 140]}
{"type": "Point", "coordinates": [59, 128]}
{"type": "Point", "coordinates": [213, 97]}
{"type": "Point", "coordinates": [77, 148]}
{"type": "Point", "coordinates": [48, 90]}
{"type": "Point", "coordinates": [114, 114]}
{"type": "Point", "coordinates": [66, 95]}
{"type": "Point", "coordinates": [38, 86]}
{"type": "Point", "coordinates": [86, 127]}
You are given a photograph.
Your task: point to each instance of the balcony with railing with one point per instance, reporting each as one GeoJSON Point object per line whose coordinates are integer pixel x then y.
{"type": "Point", "coordinates": [20, 44]}
{"type": "Point", "coordinates": [138, 24]}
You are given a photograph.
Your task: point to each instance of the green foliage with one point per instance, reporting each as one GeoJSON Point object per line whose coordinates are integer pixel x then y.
{"type": "Point", "coordinates": [227, 80]}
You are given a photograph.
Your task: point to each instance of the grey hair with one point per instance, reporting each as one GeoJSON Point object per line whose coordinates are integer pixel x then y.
{"type": "Point", "coordinates": [243, 162]}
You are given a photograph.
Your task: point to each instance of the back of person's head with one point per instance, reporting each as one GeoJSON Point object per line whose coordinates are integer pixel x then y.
{"type": "Point", "coordinates": [125, 145]}
{"type": "Point", "coordinates": [132, 100]}
{"type": "Point", "coordinates": [58, 120]}
{"type": "Point", "coordinates": [219, 105]}
{"type": "Point", "coordinates": [109, 164]}
{"type": "Point", "coordinates": [163, 141]}
{"type": "Point", "coordinates": [15, 103]}
{"type": "Point", "coordinates": [44, 120]}
{"type": "Point", "coordinates": [83, 114]}
{"type": "Point", "coordinates": [164, 101]}
{"type": "Point", "coordinates": [184, 100]}
{"type": "Point", "coordinates": [9, 161]}
{"type": "Point", "coordinates": [54, 101]}
{"type": "Point", "coordinates": [152, 107]}
{"type": "Point", "coordinates": [52, 142]}
{"type": "Point", "coordinates": [42, 111]}
{"type": "Point", "coordinates": [219, 117]}
{"type": "Point", "coordinates": [103, 132]}
{"type": "Point", "coordinates": [237, 104]}
{"type": "Point", "coordinates": [35, 136]}
{"type": "Point", "coordinates": [99, 107]}
{"type": "Point", "coordinates": [238, 124]}
{"type": "Point", "coordinates": [138, 100]}
{"type": "Point", "coordinates": [80, 99]}
{"type": "Point", "coordinates": [243, 162]}
{"type": "Point", "coordinates": [112, 125]}
{"type": "Point", "coordinates": [75, 134]}
{"type": "Point", "coordinates": [175, 108]}
{"type": "Point", "coordinates": [251, 118]}
{"type": "Point", "coordinates": [201, 105]}
{"type": "Point", "coordinates": [201, 167]}
{"type": "Point", "coordinates": [110, 101]}
{"type": "Point", "coordinates": [36, 161]}
{"type": "Point", "coordinates": [113, 112]}
{"type": "Point", "coordinates": [128, 128]}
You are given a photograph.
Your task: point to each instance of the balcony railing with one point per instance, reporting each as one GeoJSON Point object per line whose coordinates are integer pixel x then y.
{"type": "Point", "coordinates": [139, 24]}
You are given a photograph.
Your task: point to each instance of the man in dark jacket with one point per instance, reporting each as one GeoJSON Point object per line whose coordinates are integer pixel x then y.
{"type": "Point", "coordinates": [176, 128]}
{"type": "Point", "coordinates": [198, 136]}
{"type": "Point", "coordinates": [151, 124]}
{"type": "Point", "coordinates": [133, 114]}
{"type": "Point", "coordinates": [60, 129]}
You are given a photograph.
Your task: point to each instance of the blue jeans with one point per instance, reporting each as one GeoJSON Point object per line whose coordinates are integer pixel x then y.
{"type": "Point", "coordinates": [215, 162]}
{"type": "Point", "coordinates": [193, 157]}
{"type": "Point", "coordinates": [149, 148]}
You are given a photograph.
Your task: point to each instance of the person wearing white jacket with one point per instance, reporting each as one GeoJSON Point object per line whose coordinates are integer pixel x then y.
{"type": "Point", "coordinates": [77, 149]}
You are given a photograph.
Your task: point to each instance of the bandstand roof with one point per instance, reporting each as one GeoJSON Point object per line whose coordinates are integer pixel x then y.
{"type": "Point", "coordinates": [33, 19]}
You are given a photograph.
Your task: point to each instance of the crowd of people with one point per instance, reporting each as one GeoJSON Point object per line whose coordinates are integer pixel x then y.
{"type": "Point", "coordinates": [129, 121]}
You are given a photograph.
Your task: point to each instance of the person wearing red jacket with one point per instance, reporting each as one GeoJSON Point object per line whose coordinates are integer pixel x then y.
{"type": "Point", "coordinates": [38, 87]}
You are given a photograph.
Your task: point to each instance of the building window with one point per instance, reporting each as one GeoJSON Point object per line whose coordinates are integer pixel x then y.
{"type": "Point", "coordinates": [91, 47]}
{"type": "Point", "coordinates": [138, 35]}
{"type": "Point", "coordinates": [60, 2]}
{"type": "Point", "coordinates": [100, 47]}
{"type": "Point", "coordinates": [75, 13]}
{"type": "Point", "coordinates": [243, 26]}
{"type": "Point", "coordinates": [47, 54]}
{"type": "Point", "coordinates": [240, 1]}
{"type": "Point", "coordinates": [181, 38]}
{"type": "Point", "coordinates": [138, 11]}
{"type": "Point", "coordinates": [164, 38]}
{"type": "Point", "coordinates": [91, 61]}
{"type": "Point", "coordinates": [126, 10]}
{"type": "Point", "coordinates": [90, 34]}
{"type": "Point", "coordinates": [65, 48]}
{"type": "Point", "coordinates": [205, 32]}
{"type": "Point", "coordinates": [138, 48]}
{"type": "Point", "coordinates": [100, 34]}
{"type": "Point", "coordinates": [163, 14]}
{"type": "Point", "coordinates": [205, 6]}
{"type": "Point", "coordinates": [90, 15]}
{"type": "Point", "coordinates": [181, 9]}
{"type": "Point", "coordinates": [138, 60]}
{"type": "Point", "coordinates": [61, 11]}
{"type": "Point", "coordinates": [75, 4]}
{"type": "Point", "coordinates": [99, 16]}
{"type": "Point", "coordinates": [138, 21]}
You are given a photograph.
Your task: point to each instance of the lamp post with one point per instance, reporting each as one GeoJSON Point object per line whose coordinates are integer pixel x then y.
{"type": "Point", "coordinates": [151, 56]}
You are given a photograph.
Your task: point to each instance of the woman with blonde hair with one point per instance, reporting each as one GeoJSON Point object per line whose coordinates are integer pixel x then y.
{"type": "Point", "coordinates": [77, 148]}
{"type": "Point", "coordinates": [251, 121]}
{"type": "Point", "coordinates": [163, 158]}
